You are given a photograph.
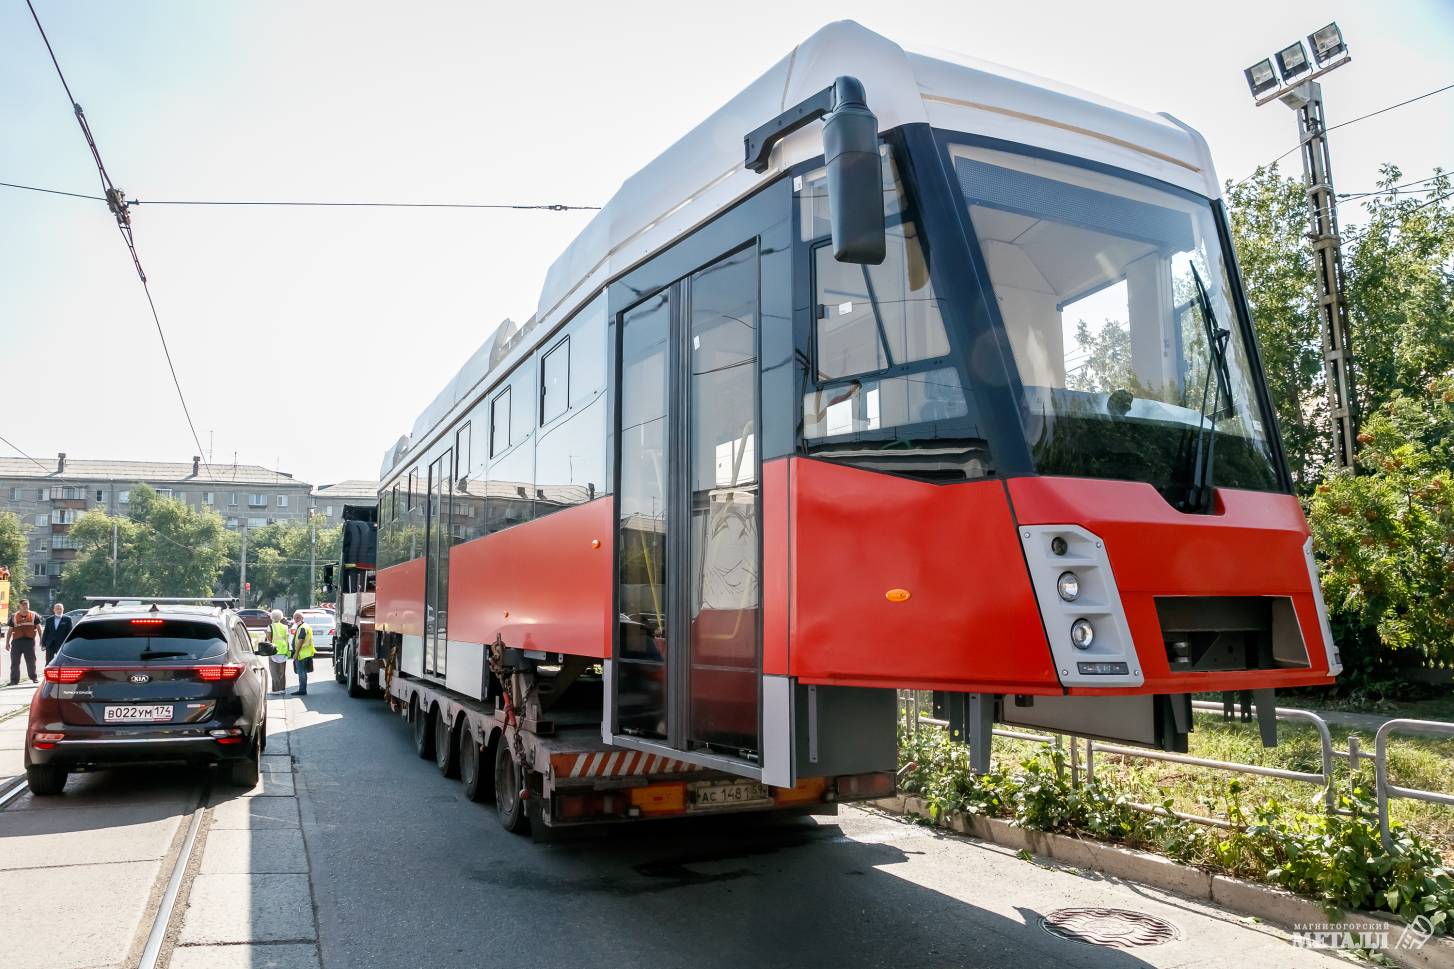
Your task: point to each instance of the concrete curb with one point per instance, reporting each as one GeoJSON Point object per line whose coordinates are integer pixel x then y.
{"type": "Point", "coordinates": [1250, 899]}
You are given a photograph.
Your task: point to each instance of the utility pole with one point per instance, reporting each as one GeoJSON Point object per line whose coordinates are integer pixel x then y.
{"type": "Point", "coordinates": [114, 590]}
{"type": "Point", "coordinates": [1328, 254]}
{"type": "Point", "coordinates": [242, 571]}
{"type": "Point", "coordinates": [312, 550]}
{"type": "Point", "coordinates": [1299, 89]}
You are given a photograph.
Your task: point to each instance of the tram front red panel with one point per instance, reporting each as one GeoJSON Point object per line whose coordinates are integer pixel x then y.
{"type": "Point", "coordinates": [1252, 545]}
{"type": "Point", "coordinates": [399, 598]}
{"type": "Point", "coordinates": [544, 584]}
{"type": "Point", "coordinates": [970, 621]}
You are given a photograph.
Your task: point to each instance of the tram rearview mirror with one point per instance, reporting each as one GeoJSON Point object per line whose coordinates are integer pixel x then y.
{"type": "Point", "coordinates": [855, 179]}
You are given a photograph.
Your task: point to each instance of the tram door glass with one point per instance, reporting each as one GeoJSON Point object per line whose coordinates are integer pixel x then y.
{"type": "Point", "coordinates": [642, 644]}
{"type": "Point", "coordinates": [436, 580]}
{"type": "Point", "coordinates": [723, 574]}
{"type": "Point", "coordinates": [688, 649]}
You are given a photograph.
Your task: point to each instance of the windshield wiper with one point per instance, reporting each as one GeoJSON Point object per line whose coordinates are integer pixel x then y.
{"type": "Point", "coordinates": [1199, 492]}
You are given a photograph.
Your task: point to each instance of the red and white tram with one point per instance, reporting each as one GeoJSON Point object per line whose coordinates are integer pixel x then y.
{"type": "Point", "coordinates": [970, 403]}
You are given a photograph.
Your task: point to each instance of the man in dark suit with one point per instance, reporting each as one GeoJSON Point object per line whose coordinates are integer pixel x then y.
{"type": "Point", "coordinates": [57, 628]}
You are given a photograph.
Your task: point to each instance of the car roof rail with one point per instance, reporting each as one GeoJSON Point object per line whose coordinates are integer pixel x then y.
{"type": "Point", "coordinates": [219, 602]}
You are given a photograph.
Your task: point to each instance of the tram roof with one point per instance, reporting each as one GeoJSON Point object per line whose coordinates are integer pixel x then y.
{"type": "Point", "coordinates": [703, 173]}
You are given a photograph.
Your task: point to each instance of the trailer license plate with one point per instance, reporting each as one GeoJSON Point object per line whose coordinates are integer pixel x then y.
{"type": "Point", "coordinates": [153, 713]}
{"type": "Point", "coordinates": [729, 793]}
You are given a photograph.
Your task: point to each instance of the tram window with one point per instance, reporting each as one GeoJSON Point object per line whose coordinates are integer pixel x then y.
{"type": "Point", "coordinates": [500, 423]}
{"type": "Point", "coordinates": [570, 459]}
{"type": "Point", "coordinates": [887, 394]}
{"type": "Point", "coordinates": [510, 492]}
{"type": "Point", "coordinates": [555, 382]}
{"type": "Point", "coordinates": [409, 495]}
{"type": "Point", "coordinates": [588, 353]}
{"type": "Point", "coordinates": [469, 492]}
{"type": "Point", "coordinates": [874, 317]}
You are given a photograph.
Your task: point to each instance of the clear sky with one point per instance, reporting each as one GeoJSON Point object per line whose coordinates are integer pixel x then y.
{"type": "Point", "coordinates": [281, 320]}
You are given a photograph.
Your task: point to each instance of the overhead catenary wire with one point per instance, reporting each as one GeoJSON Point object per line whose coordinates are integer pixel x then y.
{"type": "Point", "coordinates": [309, 203]}
{"type": "Point", "coordinates": [1344, 124]}
{"type": "Point", "coordinates": [116, 200]}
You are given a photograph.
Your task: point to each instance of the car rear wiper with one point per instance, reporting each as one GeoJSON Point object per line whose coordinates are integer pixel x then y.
{"type": "Point", "coordinates": [161, 654]}
{"type": "Point", "coordinates": [1199, 492]}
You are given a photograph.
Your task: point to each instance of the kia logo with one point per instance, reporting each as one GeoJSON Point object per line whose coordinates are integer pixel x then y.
{"type": "Point", "coordinates": [141, 677]}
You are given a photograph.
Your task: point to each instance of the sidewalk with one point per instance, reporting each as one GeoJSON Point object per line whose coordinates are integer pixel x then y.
{"type": "Point", "coordinates": [14, 702]}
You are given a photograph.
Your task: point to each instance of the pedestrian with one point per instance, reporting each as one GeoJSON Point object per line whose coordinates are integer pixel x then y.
{"type": "Point", "coordinates": [57, 628]}
{"type": "Point", "coordinates": [302, 652]}
{"type": "Point", "coordinates": [20, 640]}
{"type": "Point", "coordinates": [278, 661]}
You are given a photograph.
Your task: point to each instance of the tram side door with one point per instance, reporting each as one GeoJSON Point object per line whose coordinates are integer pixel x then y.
{"type": "Point", "coordinates": [436, 567]}
{"type": "Point", "coordinates": [687, 658]}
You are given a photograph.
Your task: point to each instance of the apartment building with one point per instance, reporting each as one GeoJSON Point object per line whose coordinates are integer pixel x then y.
{"type": "Point", "coordinates": [50, 500]}
{"type": "Point", "coordinates": [329, 499]}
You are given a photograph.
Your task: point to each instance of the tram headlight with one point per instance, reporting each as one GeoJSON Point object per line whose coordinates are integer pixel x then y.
{"type": "Point", "coordinates": [1082, 634]}
{"type": "Point", "coordinates": [1068, 585]}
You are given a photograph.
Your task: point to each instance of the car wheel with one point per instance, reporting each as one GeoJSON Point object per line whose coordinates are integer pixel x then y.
{"type": "Point", "coordinates": [423, 731]}
{"type": "Point", "coordinates": [245, 772]}
{"type": "Point", "coordinates": [446, 756]}
{"type": "Point", "coordinates": [355, 688]}
{"type": "Point", "coordinates": [509, 806]}
{"type": "Point", "coordinates": [46, 780]}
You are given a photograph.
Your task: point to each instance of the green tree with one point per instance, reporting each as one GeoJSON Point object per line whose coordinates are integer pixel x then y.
{"type": "Point", "coordinates": [1269, 218]}
{"type": "Point", "coordinates": [277, 564]}
{"type": "Point", "coordinates": [1400, 283]}
{"type": "Point", "coordinates": [13, 553]}
{"type": "Point", "coordinates": [1387, 534]}
{"type": "Point", "coordinates": [163, 548]}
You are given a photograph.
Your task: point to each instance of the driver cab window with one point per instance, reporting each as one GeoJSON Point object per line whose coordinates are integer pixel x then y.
{"type": "Point", "coordinates": [880, 348]}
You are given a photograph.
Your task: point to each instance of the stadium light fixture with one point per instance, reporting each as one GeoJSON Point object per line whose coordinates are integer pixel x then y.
{"type": "Point", "coordinates": [1261, 77]}
{"type": "Point", "coordinates": [1292, 61]}
{"type": "Point", "coordinates": [1326, 43]}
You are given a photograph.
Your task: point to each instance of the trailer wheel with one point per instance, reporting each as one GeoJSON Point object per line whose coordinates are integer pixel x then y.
{"type": "Point", "coordinates": [471, 772]}
{"type": "Point", "coordinates": [508, 805]}
{"type": "Point", "coordinates": [423, 730]}
{"type": "Point", "coordinates": [446, 755]}
{"type": "Point", "coordinates": [350, 666]}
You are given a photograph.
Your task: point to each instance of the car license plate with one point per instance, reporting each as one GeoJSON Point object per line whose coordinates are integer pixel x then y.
{"type": "Point", "coordinates": [129, 713]}
{"type": "Point", "coordinates": [729, 793]}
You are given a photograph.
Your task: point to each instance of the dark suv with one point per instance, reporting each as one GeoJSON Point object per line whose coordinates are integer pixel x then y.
{"type": "Point", "coordinates": [147, 682]}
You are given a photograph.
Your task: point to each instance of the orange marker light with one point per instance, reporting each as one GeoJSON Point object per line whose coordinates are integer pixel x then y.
{"type": "Point", "coordinates": [897, 595]}
{"type": "Point", "coordinates": [595, 543]}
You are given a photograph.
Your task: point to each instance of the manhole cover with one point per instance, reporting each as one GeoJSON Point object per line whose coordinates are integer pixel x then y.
{"type": "Point", "coordinates": [1118, 927]}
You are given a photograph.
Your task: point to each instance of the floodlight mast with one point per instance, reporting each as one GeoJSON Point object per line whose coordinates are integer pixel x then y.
{"type": "Point", "coordinates": [1302, 92]}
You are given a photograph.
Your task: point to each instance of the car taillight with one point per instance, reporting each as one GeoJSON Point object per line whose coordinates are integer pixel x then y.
{"type": "Point", "coordinates": [64, 674]}
{"type": "Point", "coordinates": [330, 632]}
{"type": "Point", "coordinates": [212, 674]}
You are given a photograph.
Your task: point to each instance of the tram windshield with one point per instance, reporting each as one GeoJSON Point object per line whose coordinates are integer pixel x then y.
{"type": "Point", "coordinates": [1095, 280]}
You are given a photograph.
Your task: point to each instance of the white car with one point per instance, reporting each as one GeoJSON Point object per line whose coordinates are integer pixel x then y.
{"type": "Point", "coordinates": [324, 627]}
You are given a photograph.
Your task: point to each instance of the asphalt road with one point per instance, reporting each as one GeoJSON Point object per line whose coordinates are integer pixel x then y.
{"type": "Point", "coordinates": [354, 853]}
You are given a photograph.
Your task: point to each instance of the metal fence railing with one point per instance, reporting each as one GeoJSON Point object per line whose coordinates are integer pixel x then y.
{"type": "Point", "coordinates": [1380, 768]}
{"type": "Point", "coordinates": [910, 704]}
